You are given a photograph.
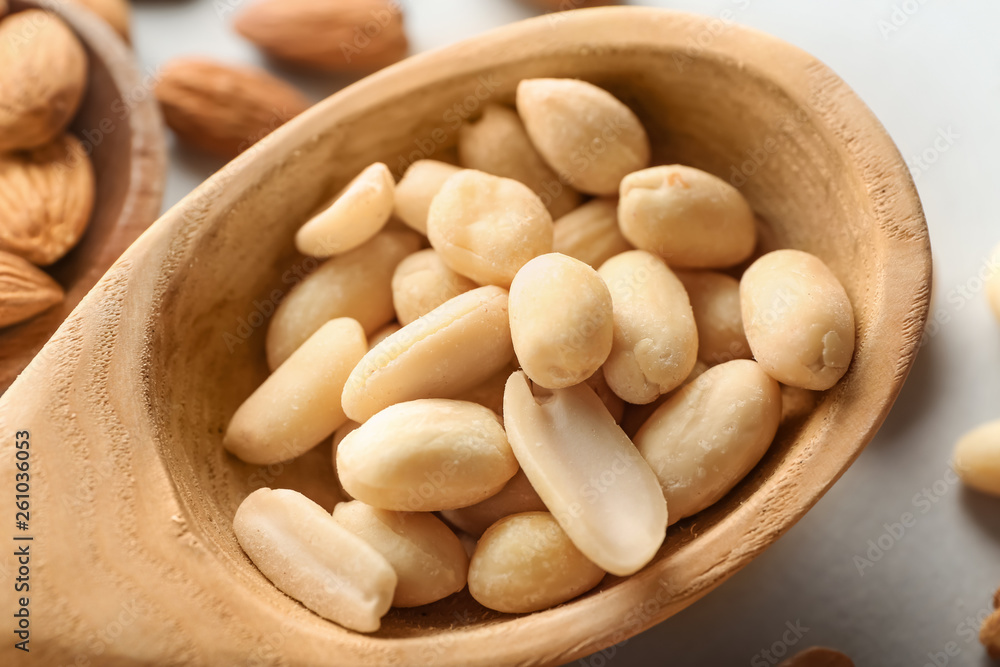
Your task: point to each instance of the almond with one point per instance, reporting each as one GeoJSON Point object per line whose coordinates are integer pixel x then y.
{"type": "Point", "coordinates": [566, 5]}
{"type": "Point", "coordinates": [3, 8]}
{"type": "Point", "coordinates": [43, 74]}
{"type": "Point", "coordinates": [818, 656]}
{"type": "Point", "coordinates": [46, 198]}
{"type": "Point", "coordinates": [222, 109]}
{"type": "Point", "coordinates": [116, 13]}
{"type": "Point", "coordinates": [332, 35]}
{"type": "Point", "coordinates": [25, 290]}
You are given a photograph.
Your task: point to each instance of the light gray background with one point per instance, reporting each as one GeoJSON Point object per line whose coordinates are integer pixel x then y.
{"type": "Point", "coordinates": [929, 69]}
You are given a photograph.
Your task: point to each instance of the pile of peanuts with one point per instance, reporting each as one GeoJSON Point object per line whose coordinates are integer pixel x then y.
{"type": "Point", "coordinates": [477, 388]}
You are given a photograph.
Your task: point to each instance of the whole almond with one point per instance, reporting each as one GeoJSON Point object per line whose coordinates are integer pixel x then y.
{"type": "Point", "coordinates": [43, 74]}
{"type": "Point", "coordinates": [46, 198]}
{"type": "Point", "coordinates": [332, 35]}
{"type": "Point", "coordinates": [223, 109]}
{"type": "Point", "coordinates": [116, 13]}
{"type": "Point", "coordinates": [25, 290]}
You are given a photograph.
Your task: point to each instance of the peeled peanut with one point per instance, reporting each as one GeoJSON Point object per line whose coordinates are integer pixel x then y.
{"type": "Point", "coordinates": [977, 458]}
{"type": "Point", "coordinates": [993, 283]}
{"type": "Point", "coordinates": [298, 546]}
{"type": "Point", "coordinates": [418, 186]}
{"type": "Point", "coordinates": [497, 144]}
{"type": "Point", "coordinates": [560, 320]}
{"type": "Point", "coordinates": [526, 562]}
{"type": "Point", "coordinates": [590, 233]}
{"type": "Point", "coordinates": [429, 561]}
{"type": "Point", "coordinates": [515, 497]}
{"type": "Point", "coordinates": [383, 333]}
{"type": "Point", "coordinates": [634, 416]}
{"type": "Point", "coordinates": [688, 217]}
{"type": "Point", "coordinates": [486, 227]}
{"type": "Point", "coordinates": [357, 284]}
{"type": "Point", "coordinates": [299, 404]}
{"type": "Point", "coordinates": [612, 402]}
{"type": "Point", "coordinates": [655, 338]}
{"type": "Point", "coordinates": [426, 455]}
{"type": "Point", "coordinates": [446, 352]}
{"type": "Point", "coordinates": [705, 438]}
{"type": "Point", "coordinates": [422, 282]}
{"type": "Point", "coordinates": [588, 473]}
{"type": "Point", "coordinates": [353, 217]}
{"type": "Point", "coordinates": [798, 319]}
{"type": "Point", "coordinates": [489, 392]}
{"type": "Point", "coordinates": [587, 135]}
{"type": "Point", "coordinates": [715, 300]}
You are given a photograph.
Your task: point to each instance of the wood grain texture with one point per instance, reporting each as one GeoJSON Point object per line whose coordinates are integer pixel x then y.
{"type": "Point", "coordinates": [128, 404]}
{"type": "Point", "coordinates": [120, 121]}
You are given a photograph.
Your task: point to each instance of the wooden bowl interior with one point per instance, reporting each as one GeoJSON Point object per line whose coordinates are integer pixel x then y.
{"type": "Point", "coordinates": [120, 124]}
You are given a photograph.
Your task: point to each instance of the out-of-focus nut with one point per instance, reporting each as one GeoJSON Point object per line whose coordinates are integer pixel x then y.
{"type": "Point", "coordinates": [486, 227]}
{"type": "Point", "coordinates": [715, 300]}
{"type": "Point", "coordinates": [993, 284]}
{"type": "Point", "coordinates": [587, 135]}
{"type": "Point", "coordinates": [818, 656]}
{"type": "Point", "coordinates": [422, 282]}
{"type": "Point", "coordinates": [590, 233]}
{"type": "Point", "coordinates": [25, 290]}
{"type": "Point", "coordinates": [688, 217]}
{"type": "Point", "coordinates": [977, 458]}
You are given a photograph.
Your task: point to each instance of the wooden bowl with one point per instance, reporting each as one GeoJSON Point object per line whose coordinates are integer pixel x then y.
{"type": "Point", "coordinates": [129, 157]}
{"type": "Point", "coordinates": [128, 407]}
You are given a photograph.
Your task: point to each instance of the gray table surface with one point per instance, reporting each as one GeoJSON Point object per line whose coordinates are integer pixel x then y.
{"type": "Point", "coordinates": [844, 575]}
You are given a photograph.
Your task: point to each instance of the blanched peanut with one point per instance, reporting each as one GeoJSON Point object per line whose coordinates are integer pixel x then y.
{"type": "Point", "coordinates": [588, 473]}
{"type": "Point", "coordinates": [422, 283]}
{"type": "Point", "coordinates": [426, 455]}
{"type": "Point", "coordinates": [515, 497]}
{"type": "Point", "coordinates": [383, 333]}
{"type": "Point", "coordinates": [298, 546]}
{"type": "Point", "coordinates": [498, 144]}
{"type": "Point", "coordinates": [353, 217]}
{"type": "Point", "coordinates": [798, 319]}
{"type": "Point", "coordinates": [590, 233]}
{"type": "Point", "coordinates": [715, 300]}
{"type": "Point", "coordinates": [655, 338]}
{"type": "Point", "coordinates": [526, 562]}
{"type": "Point", "coordinates": [486, 227]}
{"type": "Point", "coordinates": [587, 135]}
{"type": "Point", "coordinates": [450, 350]}
{"type": "Point", "coordinates": [687, 216]}
{"type": "Point", "coordinates": [417, 188]}
{"type": "Point", "coordinates": [993, 283]}
{"type": "Point", "coordinates": [614, 404]}
{"type": "Point", "coordinates": [429, 561]}
{"type": "Point", "coordinates": [299, 404]}
{"type": "Point", "coordinates": [797, 403]}
{"type": "Point", "coordinates": [705, 438]}
{"type": "Point", "coordinates": [560, 320]}
{"type": "Point", "coordinates": [634, 416]}
{"type": "Point", "coordinates": [977, 458]}
{"type": "Point", "coordinates": [356, 284]}
{"type": "Point", "coordinates": [489, 393]}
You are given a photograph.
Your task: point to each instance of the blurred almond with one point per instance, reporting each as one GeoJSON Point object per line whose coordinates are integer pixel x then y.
{"type": "Point", "coordinates": [43, 74]}
{"type": "Point", "coordinates": [221, 109]}
{"type": "Point", "coordinates": [46, 198]}
{"type": "Point", "coordinates": [3, 8]}
{"type": "Point", "coordinates": [332, 35]}
{"type": "Point", "coordinates": [116, 13]}
{"type": "Point", "coordinates": [818, 656]}
{"type": "Point", "coordinates": [25, 290]}
{"type": "Point", "coordinates": [989, 634]}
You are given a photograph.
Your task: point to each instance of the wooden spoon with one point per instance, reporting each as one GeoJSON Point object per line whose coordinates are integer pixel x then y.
{"type": "Point", "coordinates": [127, 406]}
{"type": "Point", "coordinates": [129, 157]}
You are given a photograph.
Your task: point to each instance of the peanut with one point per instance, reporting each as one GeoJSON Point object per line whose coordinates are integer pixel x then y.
{"type": "Point", "coordinates": [977, 458]}
{"type": "Point", "coordinates": [497, 144]}
{"type": "Point", "coordinates": [422, 282]}
{"type": "Point", "coordinates": [450, 350]}
{"type": "Point", "coordinates": [298, 406]}
{"type": "Point", "coordinates": [298, 546]}
{"type": "Point", "coordinates": [715, 300]}
{"type": "Point", "coordinates": [587, 472]}
{"type": "Point", "coordinates": [357, 284]}
{"type": "Point", "coordinates": [515, 497]}
{"type": "Point", "coordinates": [486, 227]}
{"type": "Point", "coordinates": [426, 455]}
{"type": "Point", "coordinates": [655, 338]}
{"type": "Point", "coordinates": [352, 218]}
{"type": "Point", "coordinates": [705, 438]}
{"type": "Point", "coordinates": [429, 561]}
{"type": "Point", "coordinates": [526, 562]}
{"type": "Point", "coordinates": [798, 319]}
{"type": "Point", "coordinates": [687, 216]}
{"type": "Point", "coordinates": [416, 189]}
{"type": "Point", "coordinates": [560, 320]}
{"type": "Point", "coordinates": [590, 233]}
{"type": "Point", "coordinates": [993, 284]}
{"type": "Point", "coordinates": [587, 135]}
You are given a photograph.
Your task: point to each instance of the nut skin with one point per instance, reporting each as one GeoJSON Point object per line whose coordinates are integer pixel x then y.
{"type": "Point", "coordinates": [329, 35]}
{"type": "Point", "coordinates": [25, 290]}
{"type": "Point", "coordinates": [42, 78]}
{"type": "Point", "coordinates": [46, 200]}
{"type": "Point", "coordinates": [223, 109]}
